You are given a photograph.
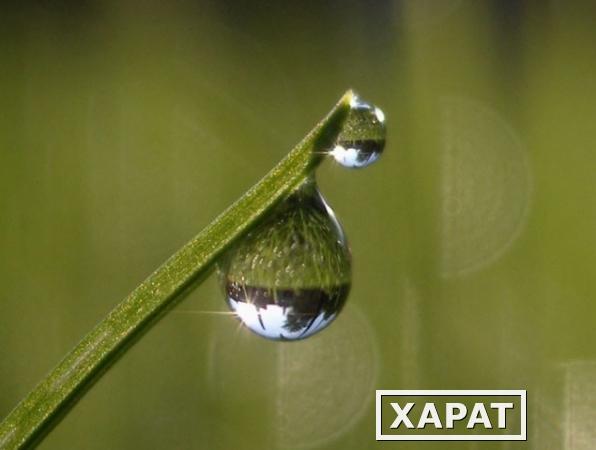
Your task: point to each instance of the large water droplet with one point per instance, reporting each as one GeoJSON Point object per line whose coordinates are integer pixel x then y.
{"type": "Point", "coordinates": [362, 138]}
{"type": "Point", "coordinates": [290, 277]}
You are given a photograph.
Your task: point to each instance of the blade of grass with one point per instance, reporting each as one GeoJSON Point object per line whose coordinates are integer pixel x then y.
{"type": "Point", "coordinates": [58, 391]}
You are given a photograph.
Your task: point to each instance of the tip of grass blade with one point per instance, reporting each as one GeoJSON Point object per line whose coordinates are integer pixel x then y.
{"type": "Point", "coordinates": [349, 97]}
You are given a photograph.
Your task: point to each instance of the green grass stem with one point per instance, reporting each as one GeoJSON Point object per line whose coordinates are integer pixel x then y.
{"type": "Point", "coordinates": [52, 398]}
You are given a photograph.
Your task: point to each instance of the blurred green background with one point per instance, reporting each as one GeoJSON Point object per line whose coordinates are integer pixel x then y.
{"type": "Point", "coordinates": [125, 127]}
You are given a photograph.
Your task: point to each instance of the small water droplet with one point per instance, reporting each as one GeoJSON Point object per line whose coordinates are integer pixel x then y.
{"type": "Point", "coordinates": [301, 279]}
{"type": "Point", "coordinates": [362, 139]}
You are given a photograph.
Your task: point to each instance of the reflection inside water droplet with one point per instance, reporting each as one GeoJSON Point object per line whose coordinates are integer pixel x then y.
{"type": "Point", "coordinates": [290, 277]}
{"type": "Point", "coordinates": [286, 314]}
{"type": "Point", "coordinates": [362, 139]}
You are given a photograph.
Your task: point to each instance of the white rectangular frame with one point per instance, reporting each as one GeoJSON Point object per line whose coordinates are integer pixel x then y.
{"type": "Point", "coordinates": [522, 393]}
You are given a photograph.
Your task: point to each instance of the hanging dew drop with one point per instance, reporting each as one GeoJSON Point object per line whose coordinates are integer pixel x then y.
{"type": "Point", "coordinates": [362, 138]}
{"type": "Point", "coordinates": [290, 277]}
